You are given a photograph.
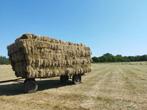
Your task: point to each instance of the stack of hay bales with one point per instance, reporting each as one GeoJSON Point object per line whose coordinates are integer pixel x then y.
{"type": "Point", "coordinates": [34, 56]}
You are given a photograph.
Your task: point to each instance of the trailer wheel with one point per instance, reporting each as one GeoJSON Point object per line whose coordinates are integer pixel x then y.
{"type": "Point", "coordinates": [30, 85]}
{"type": "Point", "coordinates": [64, 78]}
{"type": "Point", "coordinates": [76, 79]}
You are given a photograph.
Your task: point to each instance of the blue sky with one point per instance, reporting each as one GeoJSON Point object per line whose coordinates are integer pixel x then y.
{"type": "Point", "coordinates": [114, 26]}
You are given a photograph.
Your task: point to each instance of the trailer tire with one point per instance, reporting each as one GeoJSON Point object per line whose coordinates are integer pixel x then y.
{"type": "Point", "coordinates": [76, 79]}
{"type": "Point", "coordinates": [30, 85]}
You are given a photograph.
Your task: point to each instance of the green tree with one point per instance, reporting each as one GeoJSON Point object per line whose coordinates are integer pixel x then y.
{"type": "Point", "coordinates": [4, 60]}
{"type": "Point", "coordinates": [118, 58]}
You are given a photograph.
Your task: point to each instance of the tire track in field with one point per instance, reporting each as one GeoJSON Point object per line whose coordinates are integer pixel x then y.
{"type": "Point", "coordinates": [94, 89]}
{"type": "Point", "coordinates": [113, 92]}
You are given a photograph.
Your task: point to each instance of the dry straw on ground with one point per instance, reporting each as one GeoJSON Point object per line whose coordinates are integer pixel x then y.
{"type": "Point", "coordinates": [38, 56]}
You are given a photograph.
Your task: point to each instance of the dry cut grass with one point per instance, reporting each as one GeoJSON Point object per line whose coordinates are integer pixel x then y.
{"type": "Point", "coordinates": [119, 86]}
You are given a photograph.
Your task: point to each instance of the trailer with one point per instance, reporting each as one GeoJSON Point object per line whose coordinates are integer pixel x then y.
{"type": "Point", "coordinates": [33, 56]}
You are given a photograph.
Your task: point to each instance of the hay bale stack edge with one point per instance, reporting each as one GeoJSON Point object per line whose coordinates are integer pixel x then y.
{"type": "Point", "coordinates": [35, 56]}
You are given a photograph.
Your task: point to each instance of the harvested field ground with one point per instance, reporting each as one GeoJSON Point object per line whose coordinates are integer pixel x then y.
{"type": "Point", "coordinates": [113, 86]}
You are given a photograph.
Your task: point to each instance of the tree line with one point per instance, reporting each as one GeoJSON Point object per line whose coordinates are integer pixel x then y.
{"type": "Point", "coordinates": [118, 58]}
{"type": "Point", "coordinates": [4, 60]}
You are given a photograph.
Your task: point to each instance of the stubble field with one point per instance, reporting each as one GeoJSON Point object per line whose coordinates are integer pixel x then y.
{"type": "Point", "coordinates": [113, 86]}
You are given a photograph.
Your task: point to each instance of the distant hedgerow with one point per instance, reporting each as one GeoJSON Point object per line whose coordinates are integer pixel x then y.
{"type": "Point", "coordinates": [118, 58]}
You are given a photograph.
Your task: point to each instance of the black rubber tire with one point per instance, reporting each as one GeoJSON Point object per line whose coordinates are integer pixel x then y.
{"type": "Point", "coordinates": [76, 79]}
{"type": "Point", "coordinates": [64, 78]}
{"type": "Point", "coordinates": [30, 85]}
